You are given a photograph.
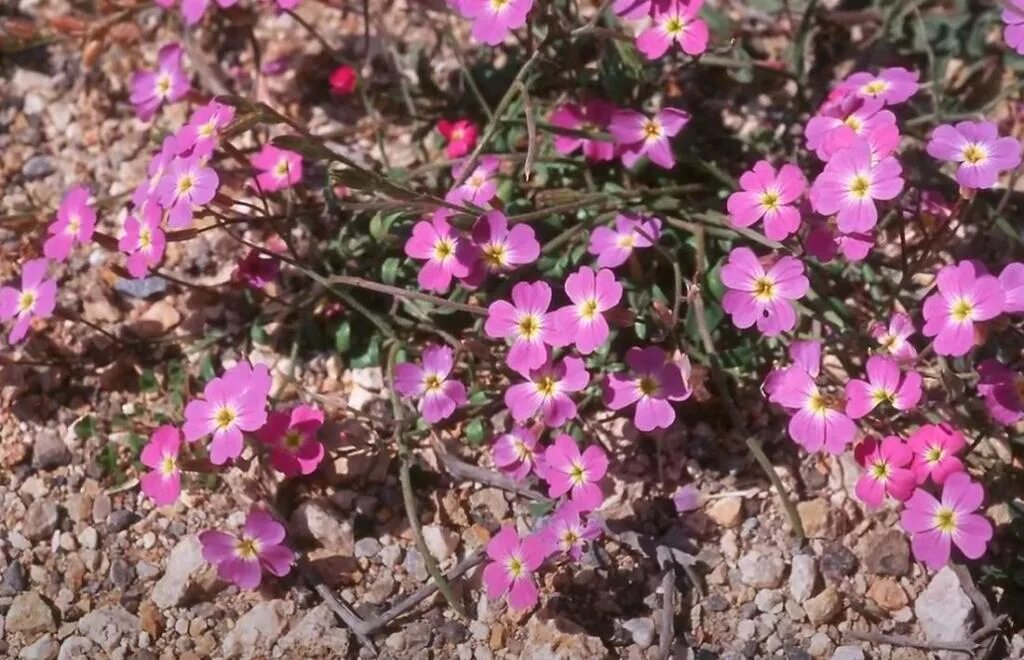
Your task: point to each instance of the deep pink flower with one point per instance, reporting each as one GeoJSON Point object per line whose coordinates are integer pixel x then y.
{"type": "Point", "coordinates": [674, 22]}
{"type": "Point", "coordinates": [686, 499]}
{"type": "Point", "coordinates": [1011, 281]}
{"type": "Point", "coordinates": [977, 149]}
{"type": "Point", "coordinates": [439, 396]}
{"type": "Point", "coordinates": [891, 86]}
{"type": "Point", "coordinates": [278, 168]}
{"type": "Point", "coordinates": [838, 125]}
{"type": "Point", "coordinates": [633, 9]}
{"type": "Point", "coordinates": [885, 384]}
{"type": "Point", "coordinates": [885, 470]}
{"type": "Point", "coordinates": [1003, 389]}
{"type": "Point", "coordinates": [935, 448]}
{"type": "Point", "coordinates": [163, 483]}
{"type": "Point", "coordinates": [186, 184]}
{"type": "Point", "coordinates": [143, 240]}
{"type": "Point", "coordinates": [515, 452]}
{"type": "Point", "coordinates": [824, 241]}
{"type": "Point", "coordinates": [460, 134]}
{"type": "Point", "coordinates": [935, 525]}
{"type": "Point", "coordinates": [242, 558]}
{"type": "Point", "coordinates": [769, 196]}
{"type": "Point", "coordinates": [613, 246]}
{"type": "Point", "coordinates": [36, 299]}
{"type": "Point", "coordinates": [193, 10]}
{"type": "Point", "coordinates": [513, 563]}
{"type": "Point", "coordinates": [962, 300]}
{"type": "Point", "coordinates": [654, 383]}
{"type": "Point", "coordinates": [291, 437]}
{"type": "Point", "coordinates": [75, 222]}
{"type": "Point", "coordinates": [639, 135]}
{"type": "Point", "coordinates": [893, 339]}
{"type": "Point", "coordinates": [579, 474]}
{"type": "Point", "coordinates": [257, 269]}
{"type": "Point", "coordinates": [1013, 16]}
{"type": "Point", "coordinates": [851, 183]}
{"type": "Point", "coordinates": [582, 323]}
{"type": "Point", "coordinates": [568, 531]}
{"type": "Point", "coordinates": [546, 392]}
{"type": "Point", "coordinates": [494, 19]}
{"type": "Point", "coordinates": [762, 296]}
{"type": "Point", "coordinates": [231, 404]}
{"type": "Point", "coordinates": [343, 80]}
{"type": "Point", "coordinates": [594, 115]}
{"type": "Point", "coordinates": [201, 134]}
{"type": "Point", "coordinates": [168, 82]}
{"type": "Point", "coordinates": [498, 249]}
{"type": "Point", "coordinates": [526, 322]}
{"type": "Point", "coordinates": [436, 242]}
{"type": "Point", "coordinates": [480, 186]}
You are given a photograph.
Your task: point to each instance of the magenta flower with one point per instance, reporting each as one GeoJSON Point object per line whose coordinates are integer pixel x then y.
{"type": "Point", "coordinates": [546, 392]}
{"type": "Point", "coordinates": [935, 447]}
{"type": "Point", "coordinates": [436, 242]}
{"type": "Point", "coordinates": [1003, 389]}
{"type": "Point", "coordinates": [291, 437]}
{"type": "Point", "coordinates": [633, 9]}
{"type": "Point", "coordinates": [143, 240]}
{"type": "Point", "coordinates": [193, 10]}
{"type": "Point", "coordinates": [460, 134]}
{"type": "Point", "coordinates": [158, 164]}
{"type": "Point", "coordinates": [893, 339]}
{"type": "Point", "coordinates": [480, 186]}
{"type": "Point", "coordinates": [978, 151]}
{"type": "Point", "coordinates": [639, 135]}
{"type": "Point", "coordinates": [593, 116]}
{"type": "Point", "coordinates": [200, 135]}
{"type": "Point", "coordinates": [769, 196]}
{"type": "Point", "coordinates": [762, 296]}
{"type": "Point", "coordinates": [686, 499]}
{"type": "Point", "coordinates": [885, 471]}
{"type": "Point", "coordinates": [526, 322]}
{"type": "Point", "coordinates": [494, 19]}
{"type": "Point", "coordinates": [498, 249]}
{"type": "Point", "coordinates": [36, 299]}
{"type": "Point", "coordinates": [163, 483]}
{"type": "Point", "coordinates": [824, 242]}
{"type": "Point", "coordinates": [567, 532]}
{"type": "Point", "coordinates": [934, 525]}
{"type": "Point", "coordinates": [885, 384]}
{"type": "Point", "coordinates": [851, 182]}
{"type": "Point", "coordinates": [569, 471]}
{"type": "Point", "coordinates": [513, 563]}
{"type": "Point", "coordinates": [613, 246]}
{"type": "Point", "coordinates": [76, 221]}
{"type": "Point", "coordinates": [186, 184]}
{"type": "Point", "coordinates": [233, 403]}
{"type": "Point", "coordinates": [1013, 16]}
{"type": "Point", "coordinates": [1011, 281]}
{"type": "Point", "coordinates": [257, 269]}
{"type": "Point", "coordinates": [582, 323]}
{"type": "Point", "coordinates": [168, 82]}
{"type": "Point", "coordinates": [891, 86]}
{"type": "Point", "coordinates": [515, 452]}
{"type": "Point", "coordinates": [962, 300]}
{"type": "Point", "coordinates": [278, 168]}
{"type": "Point", "coordinates": [674, 22]}
{"type": "Point", "coordinates": [242, 558]}
{"type": "Point", "coordinates": [838, 125]}
{"type": "Point", "coordinates": [653, 384]}
{"type": "Point", "coordinates": [439, 397]}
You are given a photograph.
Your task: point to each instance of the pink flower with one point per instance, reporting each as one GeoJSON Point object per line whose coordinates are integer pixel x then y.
{"type": "Point", "coordinates": [686, 499]}
{"type": "Point", "coordinates": [579, 474]}
{"type": "Point", "coordinates": [76, 221]}
{"type": "Point", "coordinates": [838, 125]}
{"type": "Point", "coordinates": [479, 187]}
{"type": "Point", "coordinates": [36, 299]}
{"type": "Point", "coordinates": [769, 196]}
{"type": "Point", "coordinates": [567, 532]}
{"type": "Point", "coordinates": [242, 558]}
{"type": "Point", "coordinates": [613, 246]}
{"type": "Point", "coordinates": [257, 269]}
{"type": "Point", "coordinates": [193, 10]}
{"type": "Point", "coordinates": [168, 82]}
{"type": "Point", "coordinates": [933, 525]}
{"type": "Point", "coordinates": [439, 397]}
{"type": "Point", "coordinates": [436, 242]}
{"type": "Point", "coordinates": [850, 184]}
{"type": "Point", "coordinates": [885, 470]}
{"type": "Point", "coordinates": [143, 240]}
{"type": "Point", "coordinates": [498, 249]}
{"type": "Point", "coordinates": [582, 323]}
{"type": "Point", "coordinates": [892, 86]}
{"type": "Point", "coordinates": [639, 135]}
{"type": "Point", "coordinates": [186, 184]}
{"type": "Point", "coordinates": [654, 383]}
{"type": "Point", "coordinates": [935, 447]}
{"type": "Point", "coordinates": [343, 80]}
{"type": "Point", "coordinates": [163, 484]}
{"type": "Point", "coordinates": [593, 116]}
{"type": "Point", "coordinates": [1011, 281]}
{"type": "Point", "coordinates": [978, 151]}
{"type": "Point", "coordinates": [514, 453]}
{"type": "Point", "coordinates": [546, 392]}
{"type": "Point", "coordinates": [291, 436]}
{"type": "Point", "coordinates": [633, 9]}
{"type": "Point", "coordinates": [824, 241]}
{"type": "Point", "coordinates": [513, 563]}
{"type": "Point", "coordinates": [233, 403]}
{"type": "Point", "coordinates": [460, 134]}
{"type": "Point", "coordinates": [158, 164]}
{"type": "Point", "coordinates": [961, 301]}
{"type": "Point", "coordinates": [278, 168]}
{"type": "Point", "coordinates": [1013, 16]}
{"type": "Point", "coordinates": [1002, 388]}
{"type": "Point", "coordinates": [762, 296]}
{"type": "Point", "coordinates": [894, 339]}
{"type": "Point", "coordinates": [526, 322]}
{"type": "Point", "coordinates": [885, 384]}
{"type": "Point", "coordinates": [674, 22]}
{"type": "Point", "coordinates": [494, 19]}
{"type": "Point", "coordinates": [201, 134]}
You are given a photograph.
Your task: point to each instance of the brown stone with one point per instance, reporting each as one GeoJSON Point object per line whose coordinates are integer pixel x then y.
{"type": "Point", "coordinates": [888, 593]}
{"type": "Point", "coordinates": [727, 512]}
{"type": "Point", "coordinates": [150, 618]}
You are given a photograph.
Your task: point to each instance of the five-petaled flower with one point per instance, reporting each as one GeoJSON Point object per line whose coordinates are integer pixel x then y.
{"type": "Point", "coordinates": [515, 452]}
{"type": "Point", "coordinates": [978, 151]}
{"type": "Point", "coordinates": [639, 135]}
{"type": "Point", "coordinates": [439, 396]}
{"type": "Point", "coordinates": [886, 470]}
{"type": "Point", "coordinates": [291, 438]}
{"type": "Point", "coordinates": [167, 83]}
{"type": "Point", "coordinates": [891, 86]}
{"type": "Point", "coordinates": [568, 531]}
{"type": "Point", "coordinates": [546, 392]}
{"type": "Point", "coordinates": [885, 384]}
{"type": "Point", "coordinates": [513, 563]}
{"type": "Point", "coordinates": [460, 134]}
{"type": "Point", "coordinates": [526, 321]}
{"type": "Point", "coordinates": [762, 296]}
{"type": "Point", "coordinates": [935, 525]}
{"type": "Point", "coordinates": [278, 168]}
{"type": "Point", "coordinates": [963, 299]}
{"type": "Point", "coordinates": [242, 558]}
{"type": "Point", "coordinates": [496, 248]}
{"type": "Point", "coordinates": [143, 240]}
{"type": "Point", "coordinates": [770, 196]}
{"type": "Point", "coordinates": [567, 470]}
{"type": "Point", "coordinates": [655, 382]}
{"type": "Point", "coordinates": [201, 134]}
{"type": "Point", "coordinates": [676, 22]}
{"type": "Point", "coordinates": [163, 483]}
{"type": "Point", "coordinates": [233, 403]}
{"type": "Point", "coordinates": [480, 186]}
{"type": "Point", "coordinates": [186, 184]}
{"type": "Point", "coordinates": [36, 299]}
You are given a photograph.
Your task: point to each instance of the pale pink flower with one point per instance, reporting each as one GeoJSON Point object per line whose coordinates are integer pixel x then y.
{"type": "Point", "coordinates": [770, 196]}
{"type": "Point", "coordinates": [514, 560]}
{"type": "Point", "coordinates": [839, 125]}
{"type": "Point", "coordinates": [480, 186]}
{"type": "Point", "coordinates": [891, 86]}
{"type": "Point", "coordinates": [439, 396]}
{"type": "Point", "coordinates": [278, 168]}
{"type": "Point", "coordinates": [676, 22]}
{"type": "Point", "coordinates": [1013, 17]}
{"type": "Point", "coordinates": [962, 299]}
{"type": "Point", "coordinates": [438, 244]}
{"type": "Point", "coordinates": [75, 223]}
{"type": "Point", "coordinates": [291, 438]}
{"type": "Point", "coordinates": [582, 323]}
{"type": "Point", "coordinates": [147, 190]}
{"type": "Point", "coordinates": [934, 525]}
{"type": "Point", "coordinates": [36, 299]}
{"type": "Point", "coordinates": [186, 184]}
{"type": "Point", "coordinates": [1011, 281]}
{"type": "Point", "coordinates": [167, 83]}
{"type": "Point", "coordinates": [163, 483]}
{"type": "Point", "coordinates": [614, 246]}
{"type": "Point", "coordinates": [515, 452]}
{"type": "Point", "coordinates": [242, 558]}
{"type": "Point", "coordinates": [762, 296]}
{"type": "Point", "coordinates": [567, 470]}
{"type": "Point", "coordinates": [231, 404]}
{"type": "Point", "coordinates": [975, 146]}
{"type": "Point", "coordinates": [885, 384]}
{"type": "Point", "coordinates": [935, 448]}
{"type": "Point", "coordinates": [200, 135]}
{"type": "Point", "coordinates": [568, 530]}
{"type": "Point", "coordinates": [143, 240]}
{"type": "Point", "coordinates": [639, 135]}
{"type": "Point", "coordinates": [526, 322]}
{"type": "Point", "coordinates": [851, 183]}
{"type": "Point", "coordinates": [1003, 389]}
{"type": "Point", "coordinates": [494, 19]}
{"type": "Point", "coordinates": [546, 392]}
{"type": "Point", "coordinates": [894, 339]}
{"type": "Point", "coordinates": [655, 382]}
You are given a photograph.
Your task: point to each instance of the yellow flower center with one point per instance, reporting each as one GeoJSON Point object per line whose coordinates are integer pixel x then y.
{"type": "Point", "coordinates": [546, 386]}
{"type": "Point", "coordinates": [457, 134]}
{"type": "Point", "coordinates": [443, 249]}
{"type": "Point", "coordinates": [569, 538]}
{"type": "Point", "coordinates": [293, 440]}
{"type": "Point", "coordinates": [522, 451]}
{"type": "Point", "coordinates": [974, 154]}
{"type": "Point", "coordinates": [945, 519]}
{"type": "Point", "coordinates": [168, 466]}
{"type": "Point", "coordinates": [432, 383]}
{"type": "Point", "coordinates": [626, 241]}
{"type": "Point", "coordinates": [875, 87]}
{"type": "Point", "coordinates": [890, 343]}
{"type": "Point", "coordinates": [588, 309]}
{"type": "Point", "coordinates": [225, 417]}
{"type": "Point", "coordinates": [281, 169]}
{"type": "Point", "coordinates": [495, 255]}
{"type": "Point", "coordinates": [515, 564]}
{"type": "Point", "coordinates": [880, 470]}
{"type": "Point", "coordinates": [675, 26]}
{"type": "Point", "coordinates": [26, 301]}
{"type": "Point", "coordinates": [881, 396]}
{"type": "Point", "coordinates": [770, 200]}
{"type": "Point", "coordinates": [934, 454]}
{"type": "Point", "coordinates": [145, 238]}
{"type": "Point", "coordinates": [648, 386]}
{"type": "Point", "coordinates": [578, 474]}
{"type": "Point", "coordinates": [529, 326]}
{"type": "Point", "coordinates": [961, 310]}
{"type": "Point", "coordinates": [74, 224]}
{"type": "Point", "coordinates": [764, 289]}
{"type": "Point", "coordinates": [855, 123]}
{"type": "Point", "coordinates": [185, 184]}
{"type": "Point", "coordinates": [818, 403]}
{"type": "Point", "coordinates": [247, 548]}
{"type": "Point", "coordinates": [499, 5]}
{"type": "Point", "coordinates": [860, 185]}
{"type": "Point", "coordinates": [163, 85]}
{"type": "Point", "coordinates": [208, 129]}
{"type": "Point", "coordinates": [652, 129]}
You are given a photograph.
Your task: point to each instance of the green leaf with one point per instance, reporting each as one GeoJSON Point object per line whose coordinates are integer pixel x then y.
{"type": "Point", "coordinates": [147, 381]}
{"type": "Point", "coordinates": [371, 356]}
{"type": "Point", "coordinates": [343, 337]}
{"type": "Point", "coordinates": [475, 431]}
{"type": "Point", "coordinates": [389, 270]}
{"type": "Point", "coordinates": [206, 370]}
{"type": "Point", "coordinates": [85, 428]}
{"type": "Point", "coordinates": [541, 508]}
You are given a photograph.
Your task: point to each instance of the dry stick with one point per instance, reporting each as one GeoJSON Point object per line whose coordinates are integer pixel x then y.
{"type": "Point", "coordinates": [397, 292]}
{"type": "Point", "coordinates": [666, 623]}
{"type": "Point", "coordinates": [337, 605]}
{"type": "Point", "coordinates": [903, 640]}
{"type": "Point", "coordinates": [460, 469]}
{"type": "Point", "coordinates": [531, 133]}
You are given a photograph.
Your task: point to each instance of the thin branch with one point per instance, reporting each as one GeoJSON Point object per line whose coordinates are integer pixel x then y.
{"type": "Point", "coordinates": [903, 640]}
{"type": "Point", "coordinates": [460, 469]}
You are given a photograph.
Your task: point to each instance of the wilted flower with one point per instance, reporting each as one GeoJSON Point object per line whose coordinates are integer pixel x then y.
{"type": "Point", "coordinates": [613, 246]}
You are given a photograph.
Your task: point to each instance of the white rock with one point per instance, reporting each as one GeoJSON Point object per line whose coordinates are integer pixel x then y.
{"type": "Point", "coordinates": [183, 565]}
{"type": "Point", "coordinates": [803, 577]}
{"type": "Point", "coordinates": [44, 648]}
{"type": "Point", "coordinates": [107, 625]}
{"type": "Point", "coordinates": [256, 631]}
{"type": "Point", "coordinates": [316, 634]}
{"type": "Point", "coordinates": [762, 569]}
{"type": "Point", "coordinates": [440, 541]}
{"type": "Point", "coordinates": [642, 631]}
{"type": "Point", "coordinates": [848, 652]}
{"type": "Point", "coordinates": [944, 610]}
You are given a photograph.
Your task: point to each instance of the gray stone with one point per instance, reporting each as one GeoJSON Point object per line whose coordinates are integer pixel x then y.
{"type": "Point", "coordinates": [38, 167]}
{"type": "Point", "coordinates": [769, 600]}
{"type": "Point", "coordinates": [142, 288]}
{"type": "Point", "coordinates": [30, 614]}
{"type": "Point", "coordinates": [256, 631]}
{"type": "Point", "coordinates": [183, 566]}
{"type": "Point", "coordinates": [848, 652]}
{"type": "Point", "coordinates": [415, 566]}
{"type": "Point", "coordinates": [837, 562]}
{"type": "Point", "coordinates": [88, 538]}
{"type": "Point", "coordinates": [317, 521]}
{"type": "Point", "coordinates": [121, 573]}
{"type": "Point", "coordinates": [642, 631]}
{"type": "Point", "coordinates": [943, 609]}
{"type": "Point", "coordinates": [762, 569]}
{"type": "Point", "coordinates": [887, 553]}
{"type": "Point", "coordinates": [40, 520]}
{"type": "Point", "coordinates": [441, 543]}
{"type": "Point", "coordinates": [746, 630]}
{"type": "Point", "coordinates": [803, 577]}
{"type": "Point", "coordinates": [44, 648]}
{"type": "Point", "coordinates": [107, 625]}
{"type": "Point", "coordinates": [49, 451]}
{"type": "Point", "coordinates": [819, 645]}
{"type": "Point", "coordinates": [77, 648]}
{"type": "Point", "coordinates": [367, 547]}
{"type": "Point", "coordinates": [555, 639]}
{"type": "Point", "coordinates": [316, 634]}
{"type": "Point", "coordinates": [15, 580]}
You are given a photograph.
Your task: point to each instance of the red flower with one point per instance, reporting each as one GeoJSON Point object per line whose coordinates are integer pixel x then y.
{"type": "Point", "coordinates": [343, 80]}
